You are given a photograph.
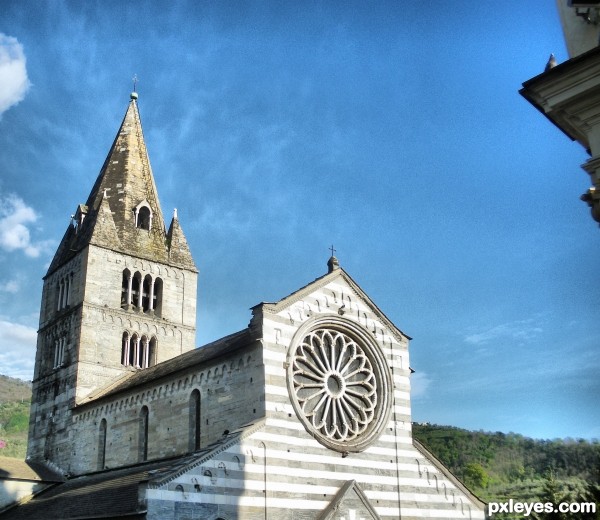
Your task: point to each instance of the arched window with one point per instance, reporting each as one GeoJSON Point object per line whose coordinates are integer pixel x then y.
{"type": "Point", "coordinates": [143, 360]}
{"type": "Point", "coordinates": [59, 351]}
{"type": "Point", "coordinates": [157, 296]}
{"type": "Point", "coordinates": [136, 288]}
{"type": "Point", "coordinates": [141, 292]}
{"type": "Point", "coordinates": [146, 289]}
{"type": "Point", "coordinates": [194, 424]}
{"type": "Point", "coordinates": [143, 219]}
{"type": "Point", "coordinates": [126, 288]}
{"type": "Point", "coordinates": [138, 352]}
{"type": "Point", "coordinates": [102, 444]}
{"type": "Point", "coordinates": [143, 216]}
{"type": "Point", "coordinates": [134, 351]}
{"type": "Point", "coordinates": [143, 435]}
{"type": "Point", "coordinates": [125, 349]}
{"type": "Point", "coordinates": [64, 291]}
{"type": "Point", "coordinates": [152, 352]}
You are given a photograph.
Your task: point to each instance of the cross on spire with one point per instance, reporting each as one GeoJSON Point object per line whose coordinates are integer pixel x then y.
{"type": "Point", "coordinates": [332, 263]}
{"type": "Point", "coordinates": [135, 80]}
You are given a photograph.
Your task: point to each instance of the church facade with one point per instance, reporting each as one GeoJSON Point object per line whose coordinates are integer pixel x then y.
{"type": "Point", "coordinates": [304, 414]}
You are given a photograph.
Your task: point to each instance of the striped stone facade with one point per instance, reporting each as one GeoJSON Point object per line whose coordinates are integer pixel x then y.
{"type": "Point", "coordinates": [276, 468]}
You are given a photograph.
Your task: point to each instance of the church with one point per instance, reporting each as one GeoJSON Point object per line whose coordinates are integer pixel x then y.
{"type": "Point", "coordinates": [303, 415]}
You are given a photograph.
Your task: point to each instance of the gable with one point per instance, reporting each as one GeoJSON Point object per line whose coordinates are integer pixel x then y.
{"type": "Point", "coordinates": [336, 292]}
{"type": "Point", "coordinates": [350, 504]}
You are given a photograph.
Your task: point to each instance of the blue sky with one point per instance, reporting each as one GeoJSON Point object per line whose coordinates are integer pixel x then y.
{"type": "Point", "coordinates": [393, 130]}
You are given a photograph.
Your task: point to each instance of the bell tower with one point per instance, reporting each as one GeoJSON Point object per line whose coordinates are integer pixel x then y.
{"type": "Point", "coordinates": [119, 295]}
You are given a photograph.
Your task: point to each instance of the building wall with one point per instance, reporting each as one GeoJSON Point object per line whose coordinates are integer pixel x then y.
{"type": "Point", "coordinates": [272, 474]}
{"type": "Point", "coordinates": [231, 394]}
{"type": "Point", "coordinates": [91, 324]}
{"type": "Point", "coordinates": [54, 386]}
{"type": "Point", "coordinates": [105, 321]}
{"type": "Point", "coordinates": [580, 35]}
{"type": "Point", "coordinates": [279, 470]}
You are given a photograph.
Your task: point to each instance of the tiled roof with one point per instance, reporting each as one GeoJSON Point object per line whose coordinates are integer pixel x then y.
{"type": "Point", "coordinates": [115, 493]}
{"type": "Point", "coordinates": [213, 350]}
{"type": "Point", "coordinates": [16, 469]}
{"type": "Point", "coordinates": [107, 494]}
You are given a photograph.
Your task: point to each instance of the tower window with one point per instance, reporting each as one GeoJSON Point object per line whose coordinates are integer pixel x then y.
{"type": "Point", "coordinates": [59, 351]}
{"type": "Point", "coordinates": [126, 288]}
{"type": "Point", "coordinates": [143, 216]}
{"type": "Point", "coordinates": [64, 292]}
{"type": "Point", "coordinates": [141, 293]}
{"type": "Point", "coordinates": [157, 297]}
{"type": "Point", "coordinates": [138, 352]}
{"type": "Point", "coordinates": [146, 287]}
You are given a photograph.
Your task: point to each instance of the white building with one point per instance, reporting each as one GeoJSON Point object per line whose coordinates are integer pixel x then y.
{"type": "Point", "coordinates": [568, 94]}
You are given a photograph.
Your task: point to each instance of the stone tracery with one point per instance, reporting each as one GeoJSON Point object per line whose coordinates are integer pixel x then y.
{"type": "Point", "coordinates": [336, 380]}
{"type": "Point", "coordinates": [335, 384]}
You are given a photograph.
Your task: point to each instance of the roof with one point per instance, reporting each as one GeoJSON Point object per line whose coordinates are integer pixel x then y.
{"type": "Point", "coordinates": [16, 469]}
{"type": "Point", "coordinates": [214, 350]}
{"type": "Point", "coordinates": [558, 91]}
{"type": "Point", "coordinates": [116, 493]}
{"type": "Point", "coordinates": [107, 494]}
{"type": "Point", "coordinates": [107, 219]}
{"type": "Point", "coordinates": [444, 470]}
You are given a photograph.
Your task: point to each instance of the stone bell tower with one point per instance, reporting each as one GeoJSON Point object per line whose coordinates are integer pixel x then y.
{"type": "Point", "coordinates": [119, 295]}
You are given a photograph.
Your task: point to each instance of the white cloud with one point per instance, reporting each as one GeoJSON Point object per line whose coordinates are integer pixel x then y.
{"type": "Point", "coordinates": [12, 286]}
{"type": "Point", "coordinates": [15, 216]}
{"type": "Point", "coordinates": [522, 331]}
{"type": "Point", "coordinates": [17, 350]}
{"type": "Point", "coordinates": [419, 383]}
{"type": "Point", "coordinates": [14, 83]}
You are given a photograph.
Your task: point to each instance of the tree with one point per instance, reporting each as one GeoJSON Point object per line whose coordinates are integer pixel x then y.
{"type": "Point", "coordinates": [475, 476]}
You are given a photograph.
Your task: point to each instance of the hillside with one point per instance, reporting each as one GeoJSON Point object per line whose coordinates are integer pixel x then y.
{"type": "Point", "coordinates": [12, 389]}
{"type": "Point", "coordinates": [498, 466]}
{"type": "Point", "coordinates": [15, 397]}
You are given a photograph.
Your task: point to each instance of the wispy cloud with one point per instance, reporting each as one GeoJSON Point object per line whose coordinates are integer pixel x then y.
{"type": "Point", "coordinates": [419, 383]}
{"type": "Point", "coordinates": [522, 331]}
{"type": "Point", "coordinates": [10, 286]}
{"type": "Point", "coordinates": [15, 217]}
{"type": "Point", "coordinates": [14, 82]}
{"type": "Point", "coordinates": [17, 350]}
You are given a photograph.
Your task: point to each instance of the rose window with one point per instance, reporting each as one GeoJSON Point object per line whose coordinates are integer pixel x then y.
{"type": "Point", "coordinates": [335, 383]}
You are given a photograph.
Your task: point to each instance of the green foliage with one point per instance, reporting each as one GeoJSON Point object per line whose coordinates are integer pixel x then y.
{"type": "Point", "coordinates": [14, 421]}
{"type": "Point", "coordinates": [499, 466]}
{"type": "Point", "coordinates": [475, 476]}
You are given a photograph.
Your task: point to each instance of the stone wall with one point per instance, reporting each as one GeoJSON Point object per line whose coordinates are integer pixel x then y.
{"type": "Point", "coordinates": [231, 394]}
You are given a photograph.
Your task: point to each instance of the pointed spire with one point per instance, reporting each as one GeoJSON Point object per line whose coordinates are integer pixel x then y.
{"type": "Point", "coordinates": [126, 174]}
{"type": "Point", "coordinates": [124, 202]}
{"type": "Point", "coordinates": [179, 251]}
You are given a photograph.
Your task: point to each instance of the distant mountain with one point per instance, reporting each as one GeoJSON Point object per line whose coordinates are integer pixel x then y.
{"type": "Point", "coordinates": [12, 389]}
